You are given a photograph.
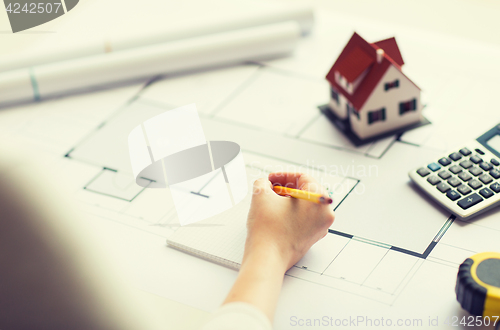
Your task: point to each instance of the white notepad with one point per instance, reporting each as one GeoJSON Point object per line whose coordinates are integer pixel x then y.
{"type": "Point", "coordinates": [220, 239]}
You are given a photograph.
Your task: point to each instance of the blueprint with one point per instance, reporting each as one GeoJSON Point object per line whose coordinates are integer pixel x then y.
{"type": "Point", "coordinates": [390, 253]}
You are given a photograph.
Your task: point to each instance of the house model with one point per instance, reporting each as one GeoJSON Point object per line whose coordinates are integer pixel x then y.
{"type": "Point", "coordinates": [370, 96]}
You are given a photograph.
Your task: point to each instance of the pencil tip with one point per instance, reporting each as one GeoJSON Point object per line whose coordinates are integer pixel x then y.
{"type": "Point", "coordinates": [325, 200]}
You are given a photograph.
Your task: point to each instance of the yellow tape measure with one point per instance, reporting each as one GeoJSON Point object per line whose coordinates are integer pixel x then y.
{"type": "Point", "coordinates": [478, 284]}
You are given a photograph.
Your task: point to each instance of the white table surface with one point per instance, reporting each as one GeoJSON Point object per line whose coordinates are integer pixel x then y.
{"type": "Point", "coordinates": [470, 19]}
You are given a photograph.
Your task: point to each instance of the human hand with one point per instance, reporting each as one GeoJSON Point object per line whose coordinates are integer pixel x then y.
{"type": "Point", "coordinates": [286, 225]}
{"type": "Point", "coordinates": [280, 231]}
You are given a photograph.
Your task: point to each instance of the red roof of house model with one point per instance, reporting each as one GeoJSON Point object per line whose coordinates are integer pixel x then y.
{"type": "Point", "coordinates": [359, 56]}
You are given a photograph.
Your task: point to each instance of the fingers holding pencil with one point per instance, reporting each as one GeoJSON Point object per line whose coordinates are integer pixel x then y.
{"type": "Point", "coordinates": [299, 185]}
{"type": "Point", "coordinates": [284, 223]}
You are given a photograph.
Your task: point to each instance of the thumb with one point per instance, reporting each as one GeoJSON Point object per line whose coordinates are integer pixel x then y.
{"type": "Point", "coordinates": [262, 187]}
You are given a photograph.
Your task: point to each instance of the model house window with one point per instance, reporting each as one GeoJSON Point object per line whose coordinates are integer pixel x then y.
{"type": "Point", "coordinates": [408, 106]}
{"type": "Point", "coordinates": [350, 109]}
{"type": "Point", "coordinates": [377, 115]}
{"type": "Point", "coordinates": [335, 95]}
{"type": "Point", "coordinates": [390, 85]}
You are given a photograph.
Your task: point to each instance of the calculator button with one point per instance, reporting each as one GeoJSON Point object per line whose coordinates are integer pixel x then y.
{"type": "Point", "coordinates": [465, 176]}
{"type": "Point", "coordinates": [444, 174]}
{"type": "Point", "coordinates": [465, 151]}
{"type": "Point", "coordinates": [464, 190]}
{"type": "Point", "coordinates": [469, 201]}
{"type": "Point", "coordinates": [495, 187]}
{"type": "Point", "coordinates": [466, 163]}
{"type": "Point", "coordinates": [486, 193]}
{"type": "Point", "coordinates": [423, 171]}
{"type": "Point", "coordinates": [474, 184]}
{"type": "Point", "coordinates": [475, 171]}
{"type": "Point", "coordinates": [433, 180]}
{"type": "Point", "coordinates": [485, 178]}
{"type": "Point", "coordinates": [479, 151]}
{"type": "Point", "coordinates": [445, 161]}
{"type": "Point", "coordinates": [455, 156]}
{"type": "Point", "coordinates": [476, 159]}
{"type": "Point", "coordinates": [495, 162]}
{"type": "Point", "coordinates": [485, 166]}
{"type": "Point", "coordinates": [433, 167]}
{"type": "Point", "coordinates": [454, 182]}
{"type": "Point", "coordinates": [455, 169]}
{"type": "Point", "coordinates": [495, 174]}
{"type": "Point", "coordinates": [443, 187]}
{"type": "Point", "coordinates": [453, 195]}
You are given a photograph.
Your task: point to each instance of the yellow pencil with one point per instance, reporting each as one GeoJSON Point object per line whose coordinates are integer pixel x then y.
{"type": "Point", "coordinates": [302, 194]}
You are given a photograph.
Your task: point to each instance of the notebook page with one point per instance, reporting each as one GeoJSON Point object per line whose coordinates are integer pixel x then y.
{"type": "Point", "coordinates": [220, 239]}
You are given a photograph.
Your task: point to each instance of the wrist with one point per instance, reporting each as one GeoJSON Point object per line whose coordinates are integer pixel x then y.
{"type": "Point", "coordinates": [265, 253]}
{"type": "Point", "coordinates": [260, 277]}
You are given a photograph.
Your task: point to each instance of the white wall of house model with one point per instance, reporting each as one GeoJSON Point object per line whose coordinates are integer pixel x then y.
{"type": "Point", "coordinates": [379, 99]}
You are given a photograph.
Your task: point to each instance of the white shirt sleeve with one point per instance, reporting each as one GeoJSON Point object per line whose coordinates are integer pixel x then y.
{"type": "Point", "coordinates": [238, 316]}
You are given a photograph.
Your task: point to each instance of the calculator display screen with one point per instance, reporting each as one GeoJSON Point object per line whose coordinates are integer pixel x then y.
{"type": "Point", "coordinates": [494, 143]}
{"type": "Point", "coordinates": [491, 140]}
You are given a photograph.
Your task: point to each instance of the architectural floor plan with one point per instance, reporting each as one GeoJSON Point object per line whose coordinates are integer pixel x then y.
{"type": "Point", "coordinates": [390, 248]}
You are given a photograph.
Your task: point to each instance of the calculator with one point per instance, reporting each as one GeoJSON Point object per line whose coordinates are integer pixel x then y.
{"type": "Point", "coordinates": [465, 180]}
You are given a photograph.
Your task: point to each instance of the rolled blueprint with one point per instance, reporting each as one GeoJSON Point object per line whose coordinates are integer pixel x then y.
{"type": "Point", "coordinates": [228, 48]}
{"type": "Point", "coordinates": [303, 15]}
{"type": "Point", "coordinates": [204, 178]}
